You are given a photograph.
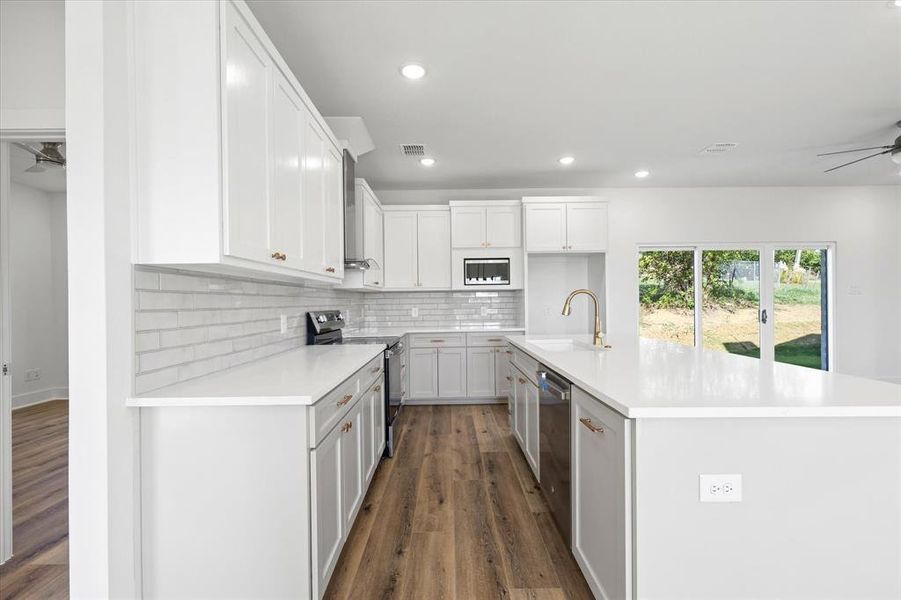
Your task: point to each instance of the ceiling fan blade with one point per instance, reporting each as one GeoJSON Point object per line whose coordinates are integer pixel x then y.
{"type": "Point", "coordinates": [858, 160]}
{"type": "Point", "coordinates": [855, 150]}
{"type": "Point", "coordinates": [28, 148]}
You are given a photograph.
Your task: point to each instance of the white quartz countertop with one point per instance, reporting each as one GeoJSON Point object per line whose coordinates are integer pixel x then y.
{"type": "Point", "coordinates": [653, 379]}
{"type": "Point", "coordinates": [298, 377]}
{"type": "Point", "coordinates": [399, 331]}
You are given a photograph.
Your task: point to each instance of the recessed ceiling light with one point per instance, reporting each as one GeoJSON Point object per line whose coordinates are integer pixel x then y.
{"type": "Point", "coordinates": [642, 174]}
{"type": "Point", "coordinates": [427, 162]}
{"type": "Point", "coordinates": [413, 71]}
{"type": "Point", "coordinates": [566, 160]}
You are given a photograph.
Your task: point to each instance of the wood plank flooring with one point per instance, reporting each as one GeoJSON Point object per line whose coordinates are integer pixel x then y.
{"type": "Point", "coordinates": [456, 514]}
{"type": "Point", "coordinates": [39, 567]}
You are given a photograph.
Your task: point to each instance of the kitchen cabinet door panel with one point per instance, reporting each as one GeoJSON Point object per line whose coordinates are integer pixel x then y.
{"type": "Point", "coordinates": [586, 227]}
{"type": "Point", "coordinates": [373, 235]}
{"type": "Point", "coordinates": [502, 375]}
{"type": "Point", "coordinates": [423, 373]}
{"type": "Point", "coordinates": [601, 484]}
{"type": "Point", "coordinates": [468, 227]}
{"type": "Point", "coordinates": [333, 205]}
{"type": "Point", "coordinates": [247, 115]}
{"type": "Point", "coordinates": [327, 510]}
{"type": "Point", "coordinates": [286, 208]}
{"type": "Point", "coordinates": [546, 228]}
{"type": "Point", "coordinates": [480, 372]}
{"type": "Point", "coordinates": [400, 249]}
{"type": "Point", "coordinates": [313, 198]}
{"type": "Point", "coordinates": [520, 414]}
{"type": "Point", "coordinates": [532, 427]}
{"type": "Point", "coordinates": [433, 249]}
{"type": "Point", "coordinates": [503, 226]}
{"type": "Point", "coordinates": [451, 372]}
{"type": "Point", "coordinates": [352, 464]}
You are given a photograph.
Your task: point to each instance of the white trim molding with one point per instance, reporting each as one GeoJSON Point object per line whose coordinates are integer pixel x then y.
{"type": "Point", "coordinates": [39, 397]}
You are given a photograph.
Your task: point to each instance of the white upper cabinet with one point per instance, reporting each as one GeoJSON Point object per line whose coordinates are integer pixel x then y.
{"type": "Point", "coordinates": [468, 226]}
{"type": "Point", "coordinates": [417, 248]}
{"type": "Point", "coordinates": [559, 225]}
{"type": "Point", "coordinates": [247, 115]}
{"type": "Point", "coordinates": [486, 224]}
{"type": "Point", "coordinates": [400, 249]}
{"type": "Point", "coordinates": [373, 236]}
{"type": "Point", "coordinates": [433, 249]}
{"type": "Point", "coordinates": [235, 169]}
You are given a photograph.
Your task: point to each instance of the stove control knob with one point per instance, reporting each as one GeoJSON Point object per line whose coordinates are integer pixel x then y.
{"type": "Point", "coordinates": [322, 318]}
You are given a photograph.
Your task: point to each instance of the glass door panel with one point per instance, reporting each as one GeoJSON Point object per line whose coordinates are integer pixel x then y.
{"type": "Point", "coordinates": [730, 317]}
{"type": "Point", "coordinates": [666, 294]}
{"type": "Point", "coordinates": [800, 307]}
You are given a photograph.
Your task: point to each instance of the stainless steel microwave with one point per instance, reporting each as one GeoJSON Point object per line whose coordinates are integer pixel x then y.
{"type": "Point", "coordinates": [486, 271]}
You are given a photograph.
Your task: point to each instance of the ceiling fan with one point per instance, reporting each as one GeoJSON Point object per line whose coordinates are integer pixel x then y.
{"type": "Point", "coordinates": [894, 149]}
{"type": "Point", "coordinates": [48, 156]}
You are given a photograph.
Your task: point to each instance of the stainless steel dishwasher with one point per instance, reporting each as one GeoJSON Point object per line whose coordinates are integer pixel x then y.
{"type": "Point", "coordinates": [554, 397]}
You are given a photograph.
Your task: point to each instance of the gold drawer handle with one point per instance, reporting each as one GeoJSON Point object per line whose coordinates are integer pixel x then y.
{"type": "Point", "coordinates": [495, 340]}
{"type": "Point", "coordinates": [587, 423]}
{"type": "Point", "coordinates": [521, 380]}
{"type": "Point", "coordinates": [377, 388]}
{"type": "Point", "coordinates": [509, 378]}
{"type": "Point", "coordinates": [345, 399]}
{"type": "Point", "coordinates": [279, 256]}
{"type": "Point", "coordinates": [347, 426]}
{"type": "Point", "coordinates": [437, 341]}
{"type": "Point", "coordinates": [510, 352]}
{"type": "Point", "coordinates": [330, 269]}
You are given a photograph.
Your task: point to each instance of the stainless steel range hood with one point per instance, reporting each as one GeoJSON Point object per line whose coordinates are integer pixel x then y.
{"type": "Point", "coordinates": [353, 221]}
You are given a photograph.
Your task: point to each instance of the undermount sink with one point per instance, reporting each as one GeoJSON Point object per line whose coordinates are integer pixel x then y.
{"type": "Point", "coordinates": [565, 345]}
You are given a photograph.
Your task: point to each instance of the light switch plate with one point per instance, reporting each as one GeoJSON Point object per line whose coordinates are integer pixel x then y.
{"type": "Point", "coordinates": [719, 487]}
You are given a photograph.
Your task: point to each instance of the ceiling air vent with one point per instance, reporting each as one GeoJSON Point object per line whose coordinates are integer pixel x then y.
{"type": "Point", "coordinates": [719, 148]}
{"type": "Point", "coordinates": [417, 150]}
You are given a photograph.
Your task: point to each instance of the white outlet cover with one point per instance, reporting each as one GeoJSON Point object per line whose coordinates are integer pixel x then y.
{"type": "Point", "coordinates": [414, 312]}
{"type": "Point", "coordinates": [719, 487]}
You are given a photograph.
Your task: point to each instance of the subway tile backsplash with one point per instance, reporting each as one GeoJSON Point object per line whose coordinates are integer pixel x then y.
{"type": "Point", "coordinates": [188, 325]}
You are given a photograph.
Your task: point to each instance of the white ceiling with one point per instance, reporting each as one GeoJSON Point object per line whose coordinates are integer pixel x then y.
{"type": "Point", "coordinates": [512, 86]}
{"type": "Point", "coordinates": [51, 180]}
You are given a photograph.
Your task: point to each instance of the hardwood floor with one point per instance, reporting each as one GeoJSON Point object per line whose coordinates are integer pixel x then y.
{"type": "Point", "coordinates": [39, 567]}
{"type": "Point", "coordinates": [456, 514]}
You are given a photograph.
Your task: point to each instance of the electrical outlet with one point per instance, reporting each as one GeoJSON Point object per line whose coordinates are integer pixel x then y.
{"type": "Point", "coordinates": [32, 374]}
{"type": "Point", "coordinates": [414, 312]}
{"type": "Point", "coordinates": [719, 488]}
{"type": "Point", "coordinates": [284, 324]}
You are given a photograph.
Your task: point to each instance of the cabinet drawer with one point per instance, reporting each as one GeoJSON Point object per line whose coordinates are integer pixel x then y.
{"type": "Point", "coordinates": [326, 413]}
{"type": "Point", "coordinates": [372, 371]}
{"type": "Point", "coordinates": [526, 364]}
{"type": "Point", "coordinates": [486, 339]}
{"type": "Point", "coordinates": [437, 340]}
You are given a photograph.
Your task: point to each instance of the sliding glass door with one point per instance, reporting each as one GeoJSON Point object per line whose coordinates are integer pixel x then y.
{"type": "Point", "coordinates": [768, 301]}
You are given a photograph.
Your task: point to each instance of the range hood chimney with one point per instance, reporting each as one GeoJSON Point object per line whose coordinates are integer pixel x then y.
{"type": "Point", "coordinates": [353, 220]}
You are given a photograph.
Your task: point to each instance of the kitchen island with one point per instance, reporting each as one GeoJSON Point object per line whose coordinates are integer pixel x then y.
{"type": "Point", "coordinates": [698, 474]}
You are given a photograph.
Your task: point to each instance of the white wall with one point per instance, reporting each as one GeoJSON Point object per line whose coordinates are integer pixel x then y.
{"type": "Point", "coordinates": [864, 222]}
{"type": "Point", "coordinates": [38, 294]}
{"type": "Point", "coordinates": [32, 64]}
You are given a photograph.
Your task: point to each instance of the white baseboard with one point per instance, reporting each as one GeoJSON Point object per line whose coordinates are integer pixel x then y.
{"type": "Point", "coordinates": [452, 401]}
{"type": "Point", "coordinates": [39, 396]}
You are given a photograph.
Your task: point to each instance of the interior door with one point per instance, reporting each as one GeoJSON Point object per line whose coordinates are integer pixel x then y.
{"type": "Point", "coordinates": [546, 227]}
{"type": "Point", "coordinates": [503, 226]}
{"type": "Point", "coordinates": [586, 226]}
{"type": "Point", "coordinates": [433, 249]}
{"type": "Point", "coordinates": [468, 226]}
{"type": "Point", "coordinates": [285, 199]}
{"type": "Point", "coordinates": [247, 115]}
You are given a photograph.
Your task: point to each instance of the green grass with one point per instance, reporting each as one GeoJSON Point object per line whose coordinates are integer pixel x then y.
{"type": "Point", "coordinates": [808, 293]}
{"type": "Point", "coordinates": [803, 355]}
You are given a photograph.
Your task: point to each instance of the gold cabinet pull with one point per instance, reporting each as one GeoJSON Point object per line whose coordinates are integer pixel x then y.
{"type": "Point", "coordinates": [508, 378]}
{"type": "Point", "coordinates": [346, 426]}
{"type": "Point", "coordinates": [495, 340]}
{"type": "Point", "coordinates": [279, 256]}
{"type": "Point", "coordinates": [437, 341]}
{"type": "Point", "coordinates": [377, 388]}
{"type": "Point", "coordinates": [345, 399]}
{"type": "Point", "coordinates": [587, 423]}
{"type": "Point", "coordinates": [510, 352]}
{"type": "Point", "coordinates": [330, 269]}
{"type": "Point", "coordinates": [521, 380]}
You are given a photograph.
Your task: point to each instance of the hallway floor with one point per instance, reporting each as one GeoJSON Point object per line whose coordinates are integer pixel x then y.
{"type": "Point", "coordinates": [39, 567]}
{"type": "Point", "coordinates": [456, 514]}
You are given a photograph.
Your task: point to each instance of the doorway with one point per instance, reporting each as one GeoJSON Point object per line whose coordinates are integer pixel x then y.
{"type": "Point", "coordinates": [34, 347]}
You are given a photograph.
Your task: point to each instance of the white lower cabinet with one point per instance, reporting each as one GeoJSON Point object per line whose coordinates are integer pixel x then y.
{"type": "Point", "coordinates": [423, 373]}
{"type": "Point", "coordinates": [373, 414]}
{"type": "Point", "coordinates": [351, 464]}
{"type": "Point", "coordinates": [525, 417]}
{"type": "Point", "coordinates": [532, 435]}
{"type": "Point", "coordinates": [480, 372]}
{"type": "Point", "coordinates": [520, 423]}
{"type": "Point", "coordinates": [451, 372]}
{"type": "Point", "coordinates": [328, 515]}
{"type": "Point", "coordinates": [601, 496]}
{"type": "Point", "coordinates": [502, 378]}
